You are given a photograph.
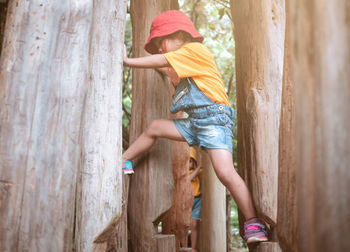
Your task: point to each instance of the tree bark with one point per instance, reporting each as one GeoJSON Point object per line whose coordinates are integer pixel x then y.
{"type": "Point", "coordinates": [51, 51]}
{"type": "Point", "coordinates": [152, 187]}
{"type": "Point", "coordinates": [287, 198]}
{"type": "Point", "coordinates": [99, 202]}
{"type": "Point", "coordinates": [229, 234]}
{"type": "Point", "coordinates": [259, 36]}
{"type": "Point", "coordinates": [44, 65]}
{"type": "Point", "coordinates": [178, 219]}
{"type": "Point", "coordinates": [320, 36]}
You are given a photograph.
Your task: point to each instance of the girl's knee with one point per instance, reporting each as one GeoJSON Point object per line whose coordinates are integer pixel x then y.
{"type": "Point", "coordinates": [153, 128]}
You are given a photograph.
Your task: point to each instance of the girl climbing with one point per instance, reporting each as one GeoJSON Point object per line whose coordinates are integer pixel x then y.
{"type": "Point", "coordinates": [176, 45]}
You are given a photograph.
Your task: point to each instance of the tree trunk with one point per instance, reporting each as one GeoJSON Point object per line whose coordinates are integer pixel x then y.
{"type": "Point", "coordinates": [259, 36]}
{"type": "Point", "coordinates": [229, 234]}
{"type": "Point", "coordinates": [178, 219]}
{"type": "Point", "coordinates": [213, 224]}
{"type": "Point", "coordinates": [287, 208]}
{"type": "Point", "coordinates": [50, 52]}
{"type": "Point", "coordinates": [100, 178]}
{"type": "Point", "coordinates": [44, 65]}
{"type": "Point", "coordinates": [151, 188]}
{"type": "Point", "coordinates": [320, 36]}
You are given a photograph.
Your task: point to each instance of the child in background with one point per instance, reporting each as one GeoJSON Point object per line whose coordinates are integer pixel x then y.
{"type": "Point", "coordinates": [194, 177]}
{"type": "Point", "coordinates": [174, 43]}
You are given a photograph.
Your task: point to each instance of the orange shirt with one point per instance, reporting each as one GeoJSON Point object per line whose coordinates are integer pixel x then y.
{"type": "Point", "coordinates": [196, 61]}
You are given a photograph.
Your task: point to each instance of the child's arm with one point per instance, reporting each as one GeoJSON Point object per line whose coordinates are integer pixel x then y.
{"type": "Point", "coordinates": [195, 173]}
{"type": "Point", "coordinates": [152, 61]}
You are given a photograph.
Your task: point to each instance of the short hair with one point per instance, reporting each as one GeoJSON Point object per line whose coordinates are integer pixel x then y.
{"type": "Point", "coordinates": [185, 36]}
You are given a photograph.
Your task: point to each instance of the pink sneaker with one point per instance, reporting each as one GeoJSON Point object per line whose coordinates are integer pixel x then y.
{"type": "Point", "coordinates": [255, 230]}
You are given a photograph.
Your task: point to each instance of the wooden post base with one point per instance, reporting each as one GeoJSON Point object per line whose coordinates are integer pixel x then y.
{"type": "Point", "coordinates": [265, 247]}
{"type": "Point", "coordinates": [165, 243]}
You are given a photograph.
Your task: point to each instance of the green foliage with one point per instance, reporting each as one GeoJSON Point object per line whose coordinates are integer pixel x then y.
{"type": "Point", "coordinates": [212, 18]}
{"type": "Point", "coordinates": [127, 76]}
{"type": "Point", "coordinates": [237, 241]}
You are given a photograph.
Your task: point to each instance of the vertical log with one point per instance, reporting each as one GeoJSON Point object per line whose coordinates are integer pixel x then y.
{"type": "Point", "coordinates": [320, 36]}
{"type": "Point", "coordinates": [100, 178]}
{"type": "Point", "coordinates": [259, 36]}
{"type": "Point", "coordinates": [119, 240]}
{"type": "Point", "coordinates": [178, 219]}
{"type": "Point", "coordinates": [151, 188]}
{"type": "Point", "coordinates": [287, 208]}
{"type": "Point", "coordinates": [43, 71]}
{"type": "Point", "coordinates": [229, 233]}
{"type": "Point", "coordinates": [213, 224]}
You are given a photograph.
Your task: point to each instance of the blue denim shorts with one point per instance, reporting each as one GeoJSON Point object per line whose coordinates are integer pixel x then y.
{"type": "Point", "coordinates": [209, 127]}
{"type": "Point", "coordinates": [197, 208]}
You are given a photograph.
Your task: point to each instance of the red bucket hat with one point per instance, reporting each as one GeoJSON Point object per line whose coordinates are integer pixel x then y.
{"type": "Point", "coordinates": [167, 23]}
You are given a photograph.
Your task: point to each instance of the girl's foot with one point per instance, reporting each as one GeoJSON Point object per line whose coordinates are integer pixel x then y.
{"type": "Point", "coordinates": [255, 230]}
{"type": "Point", "coordinates": [127, 167]}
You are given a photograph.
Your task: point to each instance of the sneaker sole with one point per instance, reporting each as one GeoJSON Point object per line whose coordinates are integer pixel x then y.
{"type": "Point", "coordinates": [128, 172]}
{"type": "Point", "coordinates": [256, 239]}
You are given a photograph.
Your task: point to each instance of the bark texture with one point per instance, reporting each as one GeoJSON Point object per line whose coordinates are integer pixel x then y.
{"type": "Point", "coordinates": [287, 196]}
{"type": "Point", "coordinates": [178, 219]}
{"type": "Point", "coordinates": [48, 62]}
{"type": "Point", "coordinates": [152, 187]}
{"type": "Point", "coordinates": [320, 36]}
{"type": "Point", "coordinates": [43, 82]}
{"type": "Point", "coordinates": [259, 36]}
{"type": "Point", "coordinates": [165, 243]}
{"type": "Point", "coordinates": [100, 178]}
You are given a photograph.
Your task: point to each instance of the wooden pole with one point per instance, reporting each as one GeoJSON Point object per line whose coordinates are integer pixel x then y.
{"type": "Point", "coordinates": [259, 37]}
{"type": "Point", "coordinates": [100, 178]}
{"type": "Point", "coordinates": [320, 36]}
{"type": "Point", "coordinates": [178, 219]}
{"type": "Point", "coordinates": [43, 81]}
{"type": "Point", "coordinates": [287, 196]}
{"type": "Point", "coordinates": [152, 187]}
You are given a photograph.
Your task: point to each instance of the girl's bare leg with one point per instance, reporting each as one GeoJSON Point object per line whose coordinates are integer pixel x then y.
{"type": "Point", "coordinates": [157, 128]}
{"type": "Point", "coordinates": [223, 166]}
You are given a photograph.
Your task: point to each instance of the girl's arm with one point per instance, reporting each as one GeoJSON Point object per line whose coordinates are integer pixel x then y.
{"type": "Point", "coordinates": [152, 61]}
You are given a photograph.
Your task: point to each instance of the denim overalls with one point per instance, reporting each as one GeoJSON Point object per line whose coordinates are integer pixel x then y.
{"type": "Point", "coordinates": [209, 125]}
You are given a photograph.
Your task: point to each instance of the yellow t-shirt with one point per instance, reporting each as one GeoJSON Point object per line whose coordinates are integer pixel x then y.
{"type": "Point", "coordinates": [195, 60]}
{"type": "Point", "coordinates": [196, 184]}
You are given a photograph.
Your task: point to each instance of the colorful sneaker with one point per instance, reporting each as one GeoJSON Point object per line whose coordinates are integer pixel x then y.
{"type": "Point", "coordinates": [255, 230]}
{"type": "Point", "coordinates": [127, 167]}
